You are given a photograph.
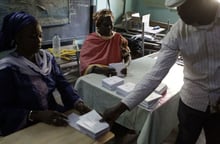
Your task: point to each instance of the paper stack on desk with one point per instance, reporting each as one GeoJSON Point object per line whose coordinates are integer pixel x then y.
{"type": "Point", "coordinates": [161, 89]}
{"type": "Point", "coordinates": [151, 101]}
{"type": "Point", "coordinates": [90, 124]}
{"type": "Point", "coordinates": [125, 89]}
{"type": "Point", "coordinates": [111, 83]}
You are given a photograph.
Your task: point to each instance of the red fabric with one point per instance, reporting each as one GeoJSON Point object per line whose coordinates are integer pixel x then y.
{"type": "Point", "coordinates": [97, 50]}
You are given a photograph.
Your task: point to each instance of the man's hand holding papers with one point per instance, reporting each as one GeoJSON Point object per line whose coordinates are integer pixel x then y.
{"type": "Point", "coordinates": [89, 124]}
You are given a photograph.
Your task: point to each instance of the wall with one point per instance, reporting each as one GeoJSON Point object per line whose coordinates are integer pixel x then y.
{"type": "Point", "coordinates": [158, 13]}
{"type": "Point", "coordinates": [116, 7]}
{"type": "Point", "coordinates": [157, 10]}
{"type": "Point", "coordinates": [67, 18]}
{"type": "Point", "coordinates": [155, 7]}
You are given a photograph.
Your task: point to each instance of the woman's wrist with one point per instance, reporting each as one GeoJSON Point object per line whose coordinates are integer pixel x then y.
{"type": "Point", "coordinates": [31, 116]}
{"type": "Point", "coordinates": [81, 107]}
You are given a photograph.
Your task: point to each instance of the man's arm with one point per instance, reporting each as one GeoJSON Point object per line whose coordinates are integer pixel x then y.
{"type": "Point", "coordinates": [165, 60]}
{"type": "Point", "coordinates": [111, 114]}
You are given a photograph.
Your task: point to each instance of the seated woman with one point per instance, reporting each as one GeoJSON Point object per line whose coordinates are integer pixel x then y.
{"type": "Point", "coordinates": [103, 47]}
{"type": "Point", "coordinates": [29, 76]}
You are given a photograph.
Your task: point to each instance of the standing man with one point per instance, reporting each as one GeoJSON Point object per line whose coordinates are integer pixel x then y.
{"type": "Point", "coordinates": [196, 36]}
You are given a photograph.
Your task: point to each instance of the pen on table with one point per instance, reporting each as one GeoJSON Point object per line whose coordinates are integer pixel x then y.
{"type": "Point", "coordinates": [156, 27]}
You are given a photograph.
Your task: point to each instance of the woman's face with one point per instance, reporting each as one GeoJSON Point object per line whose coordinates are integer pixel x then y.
{"type": "Point", "coordinates": [29, 39]}
{"type": "Point", "coordinates": [105, 25]}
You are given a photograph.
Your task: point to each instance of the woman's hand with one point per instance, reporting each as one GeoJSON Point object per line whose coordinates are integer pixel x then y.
{"type": "Point", "coordinates": [50, 117]}
{"type": "Point", "coordinates": [82, 108]}
{"type": "Point", "coordinates": [124, 71]}
{"type": "Point", "coordinates": [105, 71]}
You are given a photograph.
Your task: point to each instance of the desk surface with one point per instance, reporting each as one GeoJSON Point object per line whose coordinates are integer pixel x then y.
{"type": "Point", "coordinates": [47, 134]}
{"type": "Point", "coordinates": [154, 125]}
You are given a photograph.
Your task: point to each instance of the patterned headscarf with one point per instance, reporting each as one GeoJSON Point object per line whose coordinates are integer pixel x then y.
{"type": "Point", "coordinates": [100, 14]}
{"type": "Point", "coordinates": [12, 24]}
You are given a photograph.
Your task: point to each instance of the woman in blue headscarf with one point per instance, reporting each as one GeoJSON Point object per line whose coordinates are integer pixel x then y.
{"type": "Point", "coordinates": [29, 76]}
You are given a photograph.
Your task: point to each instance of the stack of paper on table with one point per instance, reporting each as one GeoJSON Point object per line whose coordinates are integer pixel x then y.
{"type": "Point", "coordinates": [161, 89]}
{"type": "Point", "coordinates": [151, 101]}
{"type": "Point", "coordinates": [89, 124]}
{"type": "Point", "coordinates": [111, 83]}
{"type": "Point", "coordinates": [125, 89]}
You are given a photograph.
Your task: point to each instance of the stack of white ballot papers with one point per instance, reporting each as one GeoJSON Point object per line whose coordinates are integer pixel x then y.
{"type": "Point", "coordinates": [161, 89]}
{"type": "Point", "coordinates": [89, 124]}
{"type": "Point", "coordinates": [111, 83]}
{"type": "Point", "coordinates": [125, 89]}
{"type": "Point", "coordinates": [151, 101]}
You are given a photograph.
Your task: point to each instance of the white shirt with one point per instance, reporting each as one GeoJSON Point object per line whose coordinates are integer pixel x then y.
{"type": "Point", "coordinates": [200, 48]}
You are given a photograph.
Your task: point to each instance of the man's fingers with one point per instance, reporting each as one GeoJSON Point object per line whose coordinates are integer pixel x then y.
{"type": "Point", "coordinates": [102, 120]}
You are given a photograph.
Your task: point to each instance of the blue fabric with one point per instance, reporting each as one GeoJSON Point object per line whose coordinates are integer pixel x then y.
{"type": "Point", "coordinates": [12, 23]}
{"type": "Point", "coordinates": [18, 95]}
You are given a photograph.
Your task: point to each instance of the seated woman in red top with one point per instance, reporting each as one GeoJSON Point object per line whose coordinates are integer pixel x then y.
{"type": "Point", "coordinates": [103, 47]}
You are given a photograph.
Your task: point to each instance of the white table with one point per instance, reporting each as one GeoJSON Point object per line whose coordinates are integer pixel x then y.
{"type": "Point", "coordinates": [155, 125]}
